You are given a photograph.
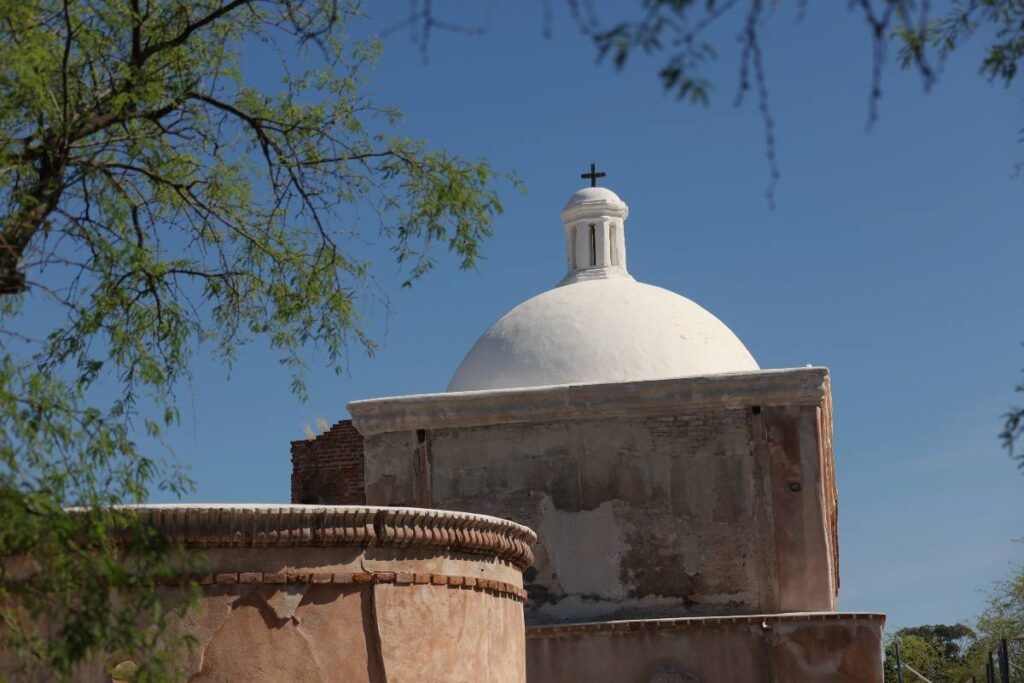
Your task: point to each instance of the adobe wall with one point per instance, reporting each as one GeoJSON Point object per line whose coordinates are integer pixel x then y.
{"type": "Point", "coordinates": [693, 496]}
{"type": "Point", "coordinates": [792, 648]}
{"type": "Point", "coordinates": [313, 593]}
{"type": "Point", "coordinates": [328, 470]}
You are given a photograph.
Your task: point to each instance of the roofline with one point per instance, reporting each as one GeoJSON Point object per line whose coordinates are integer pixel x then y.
{"type": "Point", "coordinates": [792, 386]}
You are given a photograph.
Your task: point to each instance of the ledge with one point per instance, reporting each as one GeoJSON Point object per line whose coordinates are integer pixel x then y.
{"type": "Point", "coordinates": [797, 386]}
{"type": "Point", "coordinates": [263, 526]}
{"type": "Point", "coordinates": [765, 621]}
{"type": "Point", "coordinates": [278, 578]}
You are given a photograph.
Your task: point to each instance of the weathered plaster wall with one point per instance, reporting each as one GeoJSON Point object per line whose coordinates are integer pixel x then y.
{"type": "Point", "coordinates": [375, 631]}
{"type": "Point", "coordinates": [634, 515]}
{"type": "Point", "coordinates": [315, 593]}
{"type": "Point", "coordinates": [795, 648]}
{"type": "Point", "coordinates": [695, 496]}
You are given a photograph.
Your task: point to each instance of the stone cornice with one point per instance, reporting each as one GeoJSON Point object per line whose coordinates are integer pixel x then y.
{"type": "Point", "coordinates": [765, 621]}
{"type": "Point", "coordinates": [797, 386]}
{"type": "Point", "coordinates": [264, 526]}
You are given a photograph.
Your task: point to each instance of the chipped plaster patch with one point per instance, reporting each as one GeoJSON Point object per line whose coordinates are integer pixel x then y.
{"type": "Point", "coordinates": [595, 536]}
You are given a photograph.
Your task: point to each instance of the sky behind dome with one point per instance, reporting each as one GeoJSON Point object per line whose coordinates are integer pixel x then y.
{"type": "Point", "coordinates": [892, 256]}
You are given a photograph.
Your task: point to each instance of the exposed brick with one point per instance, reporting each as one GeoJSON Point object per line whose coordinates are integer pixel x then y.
{"type": "Point", "coordinates": [421, 578]}
{"type": "Point", "coordinates": [404, 577]}
{"type": "Point", "coordinates": [274, 577]}
{"type": "Point", "coordinates": [250, 577]}
{"type": "Point", "coordinates": [329, 469]}
{"type": "Point", "coordinates": [438, 579]}
{"type": "Point", "coordinates": [384, 577]}
{"type": "Point", "coordinates": [362, 577]}
{"type": "Point", "coordinates": [225, 578]}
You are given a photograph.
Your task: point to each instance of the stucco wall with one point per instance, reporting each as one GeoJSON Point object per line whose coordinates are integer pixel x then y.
{"type": "Point", "coordinates": [324, 593]}
{"type": "Point", "coordinates": [798, 648]}
{"type": "Point", "coordinates": [376, 630]}
{"type": "Point", "coordinates": [695, 496]}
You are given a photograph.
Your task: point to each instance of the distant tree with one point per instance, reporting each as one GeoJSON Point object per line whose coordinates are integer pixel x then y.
{"type": "Point", "coordinates": [1004, 612]}
{"type": "Point", "coordinates": [937, 651]}
{"type": "Point", "coordinates": [1003, 617]}
{"type": "Point", "coordinates": [913, 651]}
{"type": "Point", "coordinates": [953, 653]}
{"type": "Point", "coordinates": [949, 642]}
{"type": "Point", "coordinates": [157, 197]}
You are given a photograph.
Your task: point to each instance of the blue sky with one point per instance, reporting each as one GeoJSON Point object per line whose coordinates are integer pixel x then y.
{"type": "Point", "coordinates": [893, 257]}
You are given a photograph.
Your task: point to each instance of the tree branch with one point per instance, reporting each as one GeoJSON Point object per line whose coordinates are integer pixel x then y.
{"type": "Point", "coordinates": [182, 38]}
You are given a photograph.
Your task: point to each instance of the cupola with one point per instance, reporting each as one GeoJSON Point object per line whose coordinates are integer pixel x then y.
{"type": "Point", "coordinates": [595, 239]}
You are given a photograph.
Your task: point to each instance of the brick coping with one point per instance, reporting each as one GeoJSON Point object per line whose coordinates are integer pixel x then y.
{"type": "Point", "coordinates": [398, 578]}
{"type": "Point", "coordinates": [268, 525]}
{"type": "Point", "coordinates": [765, 621]}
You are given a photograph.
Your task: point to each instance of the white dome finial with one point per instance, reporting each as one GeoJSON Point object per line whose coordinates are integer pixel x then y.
{"type": "Point", "coordinates": [595, 237]}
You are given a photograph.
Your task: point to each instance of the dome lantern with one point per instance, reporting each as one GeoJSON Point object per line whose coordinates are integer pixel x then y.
{"type": "Point", "coordinates": [594, 220]}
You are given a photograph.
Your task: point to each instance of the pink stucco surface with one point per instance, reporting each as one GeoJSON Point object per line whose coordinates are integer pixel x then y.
{"type": "Point", "coordinates": [823, 647]}
{"type": "Point", "coordinates": [368, 633]}
{"type": "Point", "coordinates": [336, 593]}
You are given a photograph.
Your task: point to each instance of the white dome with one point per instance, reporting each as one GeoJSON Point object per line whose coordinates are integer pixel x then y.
{"type": "Point", "coordinates": [594, 196]}
{"type": "Point", "coordinates": [599, 324]}
{"type": "Point", "coordinates": [609, 330]}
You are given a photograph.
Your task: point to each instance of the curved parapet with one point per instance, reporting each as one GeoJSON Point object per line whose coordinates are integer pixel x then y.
{"type": "Point", "coordinates": [340, 593]}
{"type": "Point", "coordinates": [302, 526]}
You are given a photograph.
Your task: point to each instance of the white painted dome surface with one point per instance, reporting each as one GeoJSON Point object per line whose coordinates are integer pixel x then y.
{"type": "Point", "coordinates": [607, 330]}
{"type": "Point", "coordinates": [599, 324]}
{"type": "Point", "coordinates": [600, 197]}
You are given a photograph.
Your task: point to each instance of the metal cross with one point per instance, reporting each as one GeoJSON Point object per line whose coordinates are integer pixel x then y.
{"type": "Point", "coordinates": [593, 175]}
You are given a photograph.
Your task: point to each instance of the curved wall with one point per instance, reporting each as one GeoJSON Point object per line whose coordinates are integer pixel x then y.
{"type": "Point", "coordinates": [339, 593]}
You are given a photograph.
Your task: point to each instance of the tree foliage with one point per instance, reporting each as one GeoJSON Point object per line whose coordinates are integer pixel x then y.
{"type": "Point", "coordinates": [938, 652]}
{"type": "Point", "coordinates": [1003, 616]}
{"type": "Point", "coordinates": [950, 654]}
{"type": "Point", "coordinates": [157, 197]}
{"type": "Point", "coordinates": [924, 34]}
